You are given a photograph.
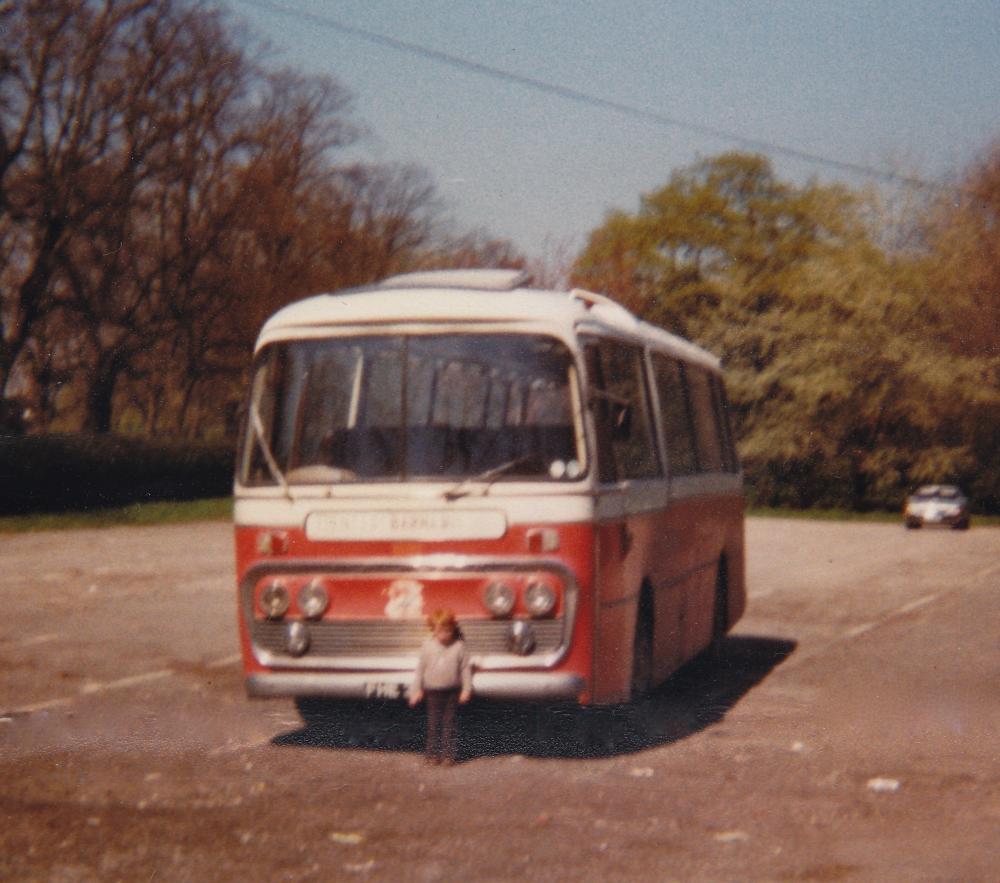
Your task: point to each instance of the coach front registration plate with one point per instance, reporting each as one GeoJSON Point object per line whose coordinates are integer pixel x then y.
{"type": "Point", "coordinates": [433, 524]}
{"type": "Point", "coordinates": [384, 690]}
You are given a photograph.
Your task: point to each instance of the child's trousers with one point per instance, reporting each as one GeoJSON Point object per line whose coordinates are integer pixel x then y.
{"type": "Point", "coordinates": [441, 708]}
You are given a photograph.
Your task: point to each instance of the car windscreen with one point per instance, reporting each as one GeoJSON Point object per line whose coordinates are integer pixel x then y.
{"type": "Point", "coordinates": [397, 407]}
{"type": "Point", "coordinates": [943, 494]}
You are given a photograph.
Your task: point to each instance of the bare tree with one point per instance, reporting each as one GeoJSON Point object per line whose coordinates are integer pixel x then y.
{"type": "Point", "coordinates": [162, 192]}
{"type": "Point", "coordinates": [135, 137]}
{"type": "Point", "coordinates": [475, 249]}
{"type": "Point", "coordinates": [49, 134]}
{"type": "Point", "coordinates": [231, 235]}
{"type": "Point", "coordinates": [380, 217]}
{"type": "Point", "coordinates": [77, 98]}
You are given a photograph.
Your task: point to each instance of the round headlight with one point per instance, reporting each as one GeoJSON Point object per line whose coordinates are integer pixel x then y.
{"type": "Point", "coordinates": [313, 600]}
{"type": "Point", "coordinates": [499, 599]}
{"type": "Point", "coordinates": [274, 600]}
{"type": "Point", "coordinates": [540, 599]}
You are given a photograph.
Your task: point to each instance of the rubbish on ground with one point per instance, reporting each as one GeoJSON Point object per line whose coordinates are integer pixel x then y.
{"type": "Point", "coordinates": [883, 786]}
{"type": "Point", "coordinates": [731, 837]}
{"type": "Point", "coordinates": [347, 838]}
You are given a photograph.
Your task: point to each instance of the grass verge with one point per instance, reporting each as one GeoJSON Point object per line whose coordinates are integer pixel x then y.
{"type": "Point", "coordinates": [847, 515]}
{"type": "Point", "coordinates": [823, 514]}
{"type": "Point", "coordinates": [220, 509]}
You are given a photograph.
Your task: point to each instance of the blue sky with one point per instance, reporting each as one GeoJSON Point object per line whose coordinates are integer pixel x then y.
{"type": "Point", "coordinates": [910, 86]}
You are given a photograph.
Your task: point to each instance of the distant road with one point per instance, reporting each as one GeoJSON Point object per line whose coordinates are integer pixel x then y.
{"type": "Point", "coordinates": [847, 733]}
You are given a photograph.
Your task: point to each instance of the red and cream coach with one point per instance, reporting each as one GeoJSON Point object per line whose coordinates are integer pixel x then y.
{"type": "Point", "coordinates": [557, 472]}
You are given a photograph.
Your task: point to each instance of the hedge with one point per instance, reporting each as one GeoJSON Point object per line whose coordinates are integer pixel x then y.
{"type": "Point", "coordinates": [58, 473]}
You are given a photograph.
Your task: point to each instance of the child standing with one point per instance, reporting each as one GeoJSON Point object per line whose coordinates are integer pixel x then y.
{"type": "Point", "coordinates": [444, 678]}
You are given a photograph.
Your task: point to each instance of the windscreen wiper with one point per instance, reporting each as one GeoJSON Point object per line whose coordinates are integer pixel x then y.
{"type": "Point", "coordinates": [489, 476]}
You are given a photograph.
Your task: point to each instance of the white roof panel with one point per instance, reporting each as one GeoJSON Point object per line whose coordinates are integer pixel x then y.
{"type": "Point", "coordinates": [411, 300]}
{"type": "Point", "coordinates": [487, 280]}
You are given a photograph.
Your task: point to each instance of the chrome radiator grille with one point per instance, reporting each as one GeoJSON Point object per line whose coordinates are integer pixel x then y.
{"type": "Point", "coordinates": [400, 637]}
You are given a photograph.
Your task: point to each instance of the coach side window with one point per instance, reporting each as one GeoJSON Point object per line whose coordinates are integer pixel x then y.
{"type": "Point", "coordinates": [722, 409]}
{"type": "Point", "coordinates": [675, 411]}
{"type": "Point", "coordinates": [707, 430]}
{"type": "Point", "coordinates": [625, 446]}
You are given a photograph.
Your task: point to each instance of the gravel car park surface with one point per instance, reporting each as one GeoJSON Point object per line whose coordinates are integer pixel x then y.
{"type": "Point", "coordinates": [848, 732]}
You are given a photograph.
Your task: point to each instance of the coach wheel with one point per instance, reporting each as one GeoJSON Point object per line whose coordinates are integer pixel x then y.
{"type": "Point", "coordinates": [720, 615]}
{"type": "Point", "coordinates": [642, 653]}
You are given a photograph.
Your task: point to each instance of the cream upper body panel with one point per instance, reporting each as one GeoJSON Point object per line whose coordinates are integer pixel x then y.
{"type": "Point", "coordinates": [413, 301]}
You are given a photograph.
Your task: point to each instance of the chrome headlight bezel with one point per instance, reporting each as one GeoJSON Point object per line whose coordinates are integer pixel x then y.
{"type": "Point", "coordinates": [314, 600]}
{"type": "Point", "coordinates": [274, 600]}
{"type": "Point", "coordinates": [499, 599]}
{"type": "Point", "coordinates": [540, 599]}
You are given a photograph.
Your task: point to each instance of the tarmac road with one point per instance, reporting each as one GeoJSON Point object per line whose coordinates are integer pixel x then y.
{"type": "Point", "coordinates": [847, 733]}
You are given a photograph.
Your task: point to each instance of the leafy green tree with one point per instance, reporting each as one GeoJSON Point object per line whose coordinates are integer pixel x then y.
{"type": "Point", "coordinates": [843, 391]}
{"type": "Point", "coordinates": [962, 232]}
{"type": "Point", "coordinates": [963, 235]}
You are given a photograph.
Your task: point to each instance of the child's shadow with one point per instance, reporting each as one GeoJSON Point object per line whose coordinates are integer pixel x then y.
{"type": "Point", "coordinates": [698, 695]}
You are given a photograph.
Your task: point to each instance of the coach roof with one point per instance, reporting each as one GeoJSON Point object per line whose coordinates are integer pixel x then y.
{"type": "Point", "coordinates": [471, 296]}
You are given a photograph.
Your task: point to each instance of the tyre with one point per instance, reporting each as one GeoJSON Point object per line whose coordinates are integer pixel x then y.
{"type": "Point", "coordinates": [642, 653]}
{"type": "Point", "coordinates": [720, 614]}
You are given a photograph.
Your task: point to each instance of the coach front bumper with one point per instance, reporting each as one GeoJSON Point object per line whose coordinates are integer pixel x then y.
{"type": "Point", "coordinates": [491, 685]}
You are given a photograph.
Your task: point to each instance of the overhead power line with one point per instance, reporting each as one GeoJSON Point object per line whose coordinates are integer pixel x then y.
{"type": "Point", "coordinates": [582, 97]}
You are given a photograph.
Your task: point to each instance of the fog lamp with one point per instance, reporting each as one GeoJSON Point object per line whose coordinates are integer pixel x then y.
{"type": "Point", "coordinates": [297, 638]}
{"type": "Point", "coordinates": [499, 599]}
{"type": "Point", "coordinates": [313, 600]}
{"type": "Point", "coordinates": [521, 638]}
{"type": "Point", "coordinates": [540, 599]}
{"type": "Point", "coordinates": [274, 600]}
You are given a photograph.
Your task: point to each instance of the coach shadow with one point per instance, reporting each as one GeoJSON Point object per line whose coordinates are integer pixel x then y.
{"type": "Point", "coordinates": [697, 696]}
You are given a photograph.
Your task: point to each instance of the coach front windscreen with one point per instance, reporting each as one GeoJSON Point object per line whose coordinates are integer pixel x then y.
{"type": "Point", "coordinates": [402, 407]}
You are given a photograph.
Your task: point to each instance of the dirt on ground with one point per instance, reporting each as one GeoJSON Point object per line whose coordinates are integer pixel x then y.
{"type": "Point", "coordinates": [846, 732]}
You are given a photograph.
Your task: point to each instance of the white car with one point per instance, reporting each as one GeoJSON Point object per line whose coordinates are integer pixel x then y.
{"type": "Point", "coordinates": [942, 504]}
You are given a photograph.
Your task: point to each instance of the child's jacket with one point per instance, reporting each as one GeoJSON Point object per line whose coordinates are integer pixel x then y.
{"type": "Point", "coordinates": [442, 667]}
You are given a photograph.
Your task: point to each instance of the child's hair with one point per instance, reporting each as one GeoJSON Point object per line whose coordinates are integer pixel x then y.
{"type": "Point", "coordinates": [442, 617]}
